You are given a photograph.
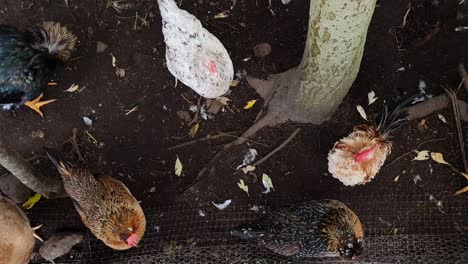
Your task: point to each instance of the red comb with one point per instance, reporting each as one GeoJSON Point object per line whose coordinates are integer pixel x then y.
{"type": "Point", "coordinates": [364, 155]}
{"type": "Point", "coordinates": [213, 68]}
{"type": "Point", "coordinates": [132, 240]}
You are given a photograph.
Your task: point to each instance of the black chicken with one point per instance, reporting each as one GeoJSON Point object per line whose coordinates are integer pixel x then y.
{"type": "Point", "coordinates": [323, 228]}
{"type": "Point", "coordinates": [27, 61]}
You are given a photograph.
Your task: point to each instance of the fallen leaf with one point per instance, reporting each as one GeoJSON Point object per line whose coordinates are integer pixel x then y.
{"type": "Point", "coordinates": [361, 112]}
{"type": "Point", "coordinates": [88, 121]}
{"type": "Point", "coordinates": [396, 178]}
{"type": "Point", "coordinates": [462, 190]}
{"type": "Point", "coordinates": [194, 130]}
{"type": "Point", "coordinates": [243, 187]}
{"type": "Point", "coordinates": [285, 2]}
{"type": "Point", "coordinates": [178, 167]}
{"type": "Point", "coordinates": [439, 158]}
{"type": "Point", "coordinates": [267, 183]}
{"type": "Point", "coordinates": [234, 83]}
{"type": "Point", "coordinates": [442, 118]}
{"type": "Point", "coordinates": [73, 88]}
{"type": "Point", "coordinates": [422, 125]}
{"type": "Point", "coordinates": [371, 97]}
{"type": "Point", "coordinates": [222, 206]}
{"type": "Point", "coordinates": [223, 100]}
{"type": "Point", "coordinates": [101, 46]}
{"type": "Point", "coordinates": [31, 201]}
{"type": "Point", "coordinates": [114, 60]}
{"type": "Point", "coordinates": [250, 104]}
{"type": "Point", "coordinates": [201, 213]}
{"type": "Point", "coordinates": [223, 14]}
{"type": "Point", "coordinates": [422, 155]}
{"type": "Point", "coordinates": [248, 169]}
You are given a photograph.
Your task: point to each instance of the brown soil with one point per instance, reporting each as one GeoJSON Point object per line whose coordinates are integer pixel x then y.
{"type": "Point", "coordinates": [134, 147]}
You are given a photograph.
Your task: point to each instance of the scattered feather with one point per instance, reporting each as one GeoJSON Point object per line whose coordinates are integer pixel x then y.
{"type": "Point", "coordinates": [193, 108]}
{"type": "Point", "coordinates": [255, 208]}
{"type": "Point", "coordinates": [422, 155]}
{"type": "Point", "coordinates": [246, 59]}
{"type": "Point", "coordinates": [417, 178]}
{"type": "Point", "coordinates": [267, 183]}
{"type": "Point", "coordinates": [114, 60]}
{"type": "Point", "coordinates": [442, 118]}
{"type": "Point", "coordinates": [400, 69]}
{"type": "Point", "coordinates": [88, 121]}
{"type": "Point", "coordinates": [73, 88]}
{"type": "Point", "coordinates": [439, 158]}
{"type": "Point", "coordinates": [194, 130]}
{"type": "Point", "coordinates": [178, 167]}
{"type": "Point", "coordinates": [222, 206]}
{"type": "Point", "coordinates": [31, 201]}
{"type": "Point", "coordinates": [248, 169]}
{"type": "Point", "coordinates": [371, 97]}
{"type": "Point", "coordinates": [361, 112]}
{"type": "Point", "coordinates": [243, 187]}
{"type": "Point", "coordinates": [250, 104]}
{"type": "Point", "coordinates": [201, 213]}
{"type": "Point", "coordinates": [249, 157]}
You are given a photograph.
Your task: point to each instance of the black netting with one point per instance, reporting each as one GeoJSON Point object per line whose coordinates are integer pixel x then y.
{"type": "Point", "coordinates": [399, 229]}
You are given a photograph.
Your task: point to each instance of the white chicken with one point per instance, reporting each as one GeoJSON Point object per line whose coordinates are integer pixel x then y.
{"type": "Point", "coordinates": [357, 158]}
{"type": "Point", "coordinates": [194, 55]}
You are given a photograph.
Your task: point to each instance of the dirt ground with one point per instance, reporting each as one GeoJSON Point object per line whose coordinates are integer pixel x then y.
{"type": "Point", "coordinates": [133, 145]}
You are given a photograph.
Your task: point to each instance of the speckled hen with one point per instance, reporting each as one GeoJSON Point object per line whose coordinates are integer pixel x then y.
{"type": "Point", "coordinates": [323, 228]}
{"type": "Point", "coordinates": [194, 55]}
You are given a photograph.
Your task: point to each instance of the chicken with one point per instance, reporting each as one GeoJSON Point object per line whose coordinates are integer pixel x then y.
{"type": "Point", "coordinates": [323, 228]}
{"type": "Point", "coordinates": [105, 206]}
{"type": "Point", "coordinates": [357, 158]}
{"type": "Point", "coordinates": [28, 58]}
{"type": "Point", "coordinates": [193, 55]}
{"type": "Point", "coordinates": [16, 234]}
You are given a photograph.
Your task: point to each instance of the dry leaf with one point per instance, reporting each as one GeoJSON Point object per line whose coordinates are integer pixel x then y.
{"type": "Point", "coordinates": [222, 206]}
{"type": "Point", "coordinates": [248, 169]}
{"type": "Point", "coordinates": [223, 14]}
{"type": "Point", "coordinates": [31, 201]}
{"type": "Point", "coordinates": [361, 112]}
{"type": "Point", "coordinates": [223, 100]}
{"type": "Point", "coordinates": [422, 125]}
{"type": "Point", "coordinates": [178, 167]}
{"type": "Point", "coordinates": [464, 175]}
{"type": "Point", "coordinates": [267, 183]}
{"type": "Point", "coordinates": [371, 97]}
{"type": "Point", "coordinates": [396, 178]}
{"type": "Point", "coordinates": [194, 130]}
{"type": "Point", "coordinates": [243, 187]}
{"type": "Point", "coordinates": [250, 104]}
{"type": "Point", "coordinates": [442, 118]}
{"type": "Point", "coordinates": [119, 72]}
{"type": "Point", "coordinates": [439, 158]}
{"type": "Point", "coordinates": [422, 155]}
{"type": "Point", "coordinates": [88, 121]}
{"type": "Point", "coordinates": [73, 88]}
{"type": "Point", "coordinates": [113, 60]}
{"type": "Point", "coordinates": [234, 83]}
{"type": "Point", "coordinates": [462, 190]}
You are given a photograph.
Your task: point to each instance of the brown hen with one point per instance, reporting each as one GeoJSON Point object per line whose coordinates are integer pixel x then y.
{"type": "Point", "coordinates": [105, 205]}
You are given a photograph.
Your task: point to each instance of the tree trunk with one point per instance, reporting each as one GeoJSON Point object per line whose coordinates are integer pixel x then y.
{"type": "Point", "coordinates": [33, 179]}
{"type": "Point", "coordinates": [311, 92]}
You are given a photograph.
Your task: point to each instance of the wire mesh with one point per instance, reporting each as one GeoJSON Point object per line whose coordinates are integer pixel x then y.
{"type": "Point", "coordinates": [399, 229]}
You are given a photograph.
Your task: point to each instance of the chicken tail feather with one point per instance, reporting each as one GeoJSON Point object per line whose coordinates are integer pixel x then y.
{"type": "Point", "coordinates": [57, 39]}
{"type": "Point", "coordinates": [390, 121]}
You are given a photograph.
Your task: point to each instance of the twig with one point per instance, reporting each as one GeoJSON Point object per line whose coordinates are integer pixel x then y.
{"type": "Point", "coordinates": [403, 24]}
{"type": "Point", "coordinates": [429, 36]}
{"type": "Point", "coordinates": [463, 75]}
{"type": "Point", "coordinates": [414, 149]}
{"type": "Point", "coordinates": [245, 139]}
{"type": "Point", "coordinates": [282, 145]}
{"type": "Point", "coordinates": [75, 147]}
{"type": "Point", "coordinates": [456, 112]}
{"type": "Point", "coordinates": [208, 137]}
{"type": "Point", "coordinates": [197, 114]}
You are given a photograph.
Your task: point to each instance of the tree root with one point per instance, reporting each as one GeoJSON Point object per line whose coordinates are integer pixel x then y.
{"type": "Point", "coordinates": [435, 104]}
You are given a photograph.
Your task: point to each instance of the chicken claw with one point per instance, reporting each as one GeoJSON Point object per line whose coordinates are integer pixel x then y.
{"type": "Point", "coordinates": [36, 104]}
{"type": "Point", "coordinates": [36, 235]}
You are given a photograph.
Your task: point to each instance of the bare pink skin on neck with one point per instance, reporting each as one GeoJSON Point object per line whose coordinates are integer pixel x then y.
{"type": "Point", "coordinates": [132, 240]}
{"type": "Point", "coordinates": [364, 155]}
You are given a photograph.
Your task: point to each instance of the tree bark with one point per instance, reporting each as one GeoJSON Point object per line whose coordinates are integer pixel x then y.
{"type": "Point", "coordinates": [33, 179]}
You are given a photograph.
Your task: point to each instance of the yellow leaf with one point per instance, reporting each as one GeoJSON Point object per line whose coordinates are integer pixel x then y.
{"type": "Point", "coordinates": [422, 155]}
{"type": "Point", "coordinates": [267, 183]}
{"type": "Point", "coordinates": [234, 83]}
{"type": "Point", "coordinates": [223, 14]}
{"type": "Point", "coordinates": [248, 169]}
{"type": "Point", "coordinates": [462, 190]}
{"type": "Point", "coordinates": [244, 187]}
{"type": "Point", "coordinates": [250, 104]}
{"type": "Point", "coordinates": [194, 130]}
{"type": "Point", "coordinates": [178, 167]}
{"type": "Point", "coordinates": [439, 158]}
{"type": "Point", "coordinates": [31, 201]}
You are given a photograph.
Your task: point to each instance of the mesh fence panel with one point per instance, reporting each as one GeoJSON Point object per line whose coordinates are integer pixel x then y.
{"type": "Point", "coordinates": [399, 229]}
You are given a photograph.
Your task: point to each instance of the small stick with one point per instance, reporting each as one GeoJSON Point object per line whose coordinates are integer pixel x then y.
{"type": "Point", "coordinates": [463, 75]}
{"type": "Point", "coordinates": [413, 150]}
{"type": "Point", "coordinates": [208, 137]}
{"type": "Point", "coordinates": [195, 118]}
{"type": "Point", "coordinates": [403, 24]}
{"type": "Point", "coordinates": [293, 134]}
{"type": "Point", "coordinates": [429, 36]}
{"type": "Point", "coordinates": [76, 148]}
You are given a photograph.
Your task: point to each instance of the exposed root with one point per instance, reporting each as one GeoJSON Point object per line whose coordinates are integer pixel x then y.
{"type": "Point", "coordinates": [435, 104]}
{"type": "Point", "coordinates": [281, 146]}
{"type": "Point", "coordinates": [262, 87]}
